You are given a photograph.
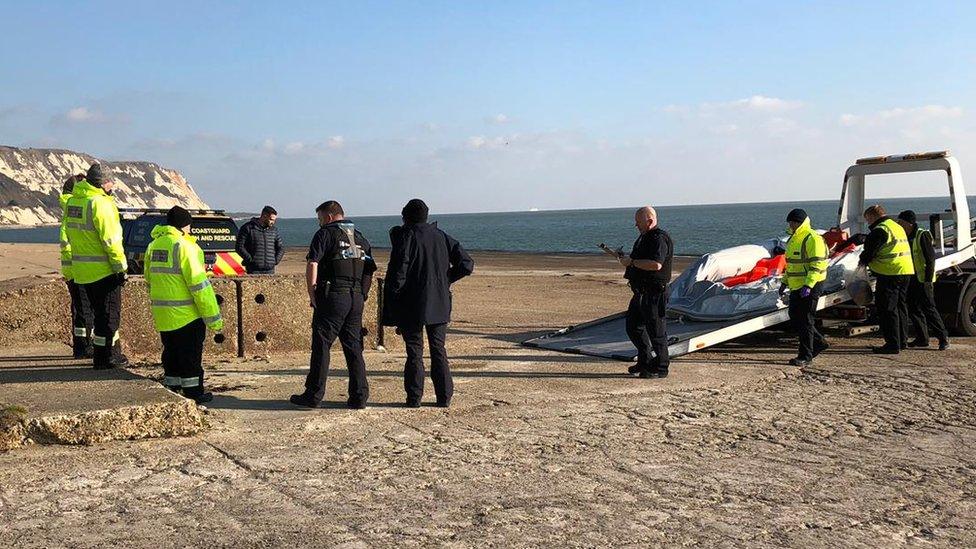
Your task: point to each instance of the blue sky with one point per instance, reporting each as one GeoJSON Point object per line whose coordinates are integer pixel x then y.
{"type": "Point", "coordinates": [492, 106]}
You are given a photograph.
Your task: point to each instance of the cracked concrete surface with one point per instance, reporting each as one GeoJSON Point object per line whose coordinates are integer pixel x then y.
{"type": "Point", "coordinates": [540, 449]}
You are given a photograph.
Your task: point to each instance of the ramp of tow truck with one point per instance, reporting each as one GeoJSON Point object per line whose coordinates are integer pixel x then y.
{"type": "Point", "coordinates": [607, 337]}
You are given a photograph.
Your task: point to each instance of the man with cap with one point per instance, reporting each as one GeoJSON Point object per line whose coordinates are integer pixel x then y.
{"type": "Point", "coordinates": [81, 314]}
{"type": "Point", "coordinates": [98, 264]}
{"type": "Point", "coordinates": [888, 255]}
{"type": "Point", "coordinates": [183, 303]}
{"type": "Point", "coordinates": [648, 272]}
{"type": "Point", "coordinates": [424, 262]}
{"type": "Point", "coordinates": [806, 271]}
{"type": "Point", "coordinates": [338, 276]}
{"type": "Point", "coordinates": [921, 295]}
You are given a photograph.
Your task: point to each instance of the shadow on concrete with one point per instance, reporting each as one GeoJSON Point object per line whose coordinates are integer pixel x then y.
{"type": "Point", "coordinates": [454, 373]}
{"type": "Point", "coordinates": [63, 374]}
{"type": "Point", "coordinates": [224, 402]}
{"type": "Point", "coordinates": [39, 358]}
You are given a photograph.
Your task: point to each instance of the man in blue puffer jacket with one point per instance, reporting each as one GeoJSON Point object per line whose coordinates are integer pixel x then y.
{"type": "Point", "coordinates": [259, 243]}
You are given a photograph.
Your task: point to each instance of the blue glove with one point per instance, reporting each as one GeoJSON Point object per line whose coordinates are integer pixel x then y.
{"type": "Point", "coordinates": [805, 292]}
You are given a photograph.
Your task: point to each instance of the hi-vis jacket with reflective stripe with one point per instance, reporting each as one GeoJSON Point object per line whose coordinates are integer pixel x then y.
{"type": "Point", "coordinates": [806, 258]}
{"type": "Point", "coordinates": [65, 245]}
{"type": "Point", "coordinates": [94, 232]}
{"type": "Point", "coordinates": [179, 289]}
{"type": "Point", "coordinates": [918, 256]}
{"type": "Point", "coordinates": [895, 255]}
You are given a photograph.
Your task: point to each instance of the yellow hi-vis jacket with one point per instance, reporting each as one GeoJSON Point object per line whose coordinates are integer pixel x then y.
{"type": "Point", "coordinates": [179, 289]}
{"type": "Point", "coordinates": [895, 255]}
{"type": "Point", "coordinates": [806, 258]}
{"type": "Point", "coordinates": [94, 233]}
{"type": "Point", "coordinates": [65, 245]}
{"type": "Point", "coordinates": [918, 258]}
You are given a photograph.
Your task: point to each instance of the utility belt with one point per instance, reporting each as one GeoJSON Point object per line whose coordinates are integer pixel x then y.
{"type": "Point", "coordinates": [648, 287]}
{"type": "Point", "coordinates": [323, 290]}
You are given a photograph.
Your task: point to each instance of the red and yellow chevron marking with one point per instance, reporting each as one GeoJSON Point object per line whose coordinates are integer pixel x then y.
{"type": "Point", "coordinates": [228, 264]}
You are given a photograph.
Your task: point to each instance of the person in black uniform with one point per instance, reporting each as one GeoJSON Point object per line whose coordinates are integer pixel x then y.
{"type": "Point", "coordinates": [424, 262]}
{"type": "Point", "coordinates": [921, 293]}
{"type": "Point", "coordinates": [338, 276]}
{"type": "Point", "coordinates": [648, 273]}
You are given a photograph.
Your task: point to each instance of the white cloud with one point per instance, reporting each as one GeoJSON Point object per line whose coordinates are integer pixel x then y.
{"type": "Point", "coordinates": [762, 103]}
{"type": "Point", "coordinates": [902, 115]}
{"type": "Point", "coordinates": [336, 142]}
{"type": "Point", "coordinates": [499, 119]}
{"type": "Point", "coordinates": [84, 115]}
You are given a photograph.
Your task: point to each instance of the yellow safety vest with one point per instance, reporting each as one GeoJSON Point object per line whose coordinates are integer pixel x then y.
{"type": "Point", "coordinates": [179, 289]}
{"type": "Point", "coordinates": [65, 245]}
{"type": "Point", "coordinates": [94, 233]}
{"type": "Point", "coordinates": [806, 258]}
{"type": "Point", "coordinates": [895, 255]}
{"type": "Point", "coordinates": [918, 260]}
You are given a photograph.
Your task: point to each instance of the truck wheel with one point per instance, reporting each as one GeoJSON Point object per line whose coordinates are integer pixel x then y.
{"type": "Point", "coordinates": [967, 313]}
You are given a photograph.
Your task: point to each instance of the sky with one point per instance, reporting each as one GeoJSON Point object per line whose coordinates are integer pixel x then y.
{"type": "Point", "coordinates": [494, 106]}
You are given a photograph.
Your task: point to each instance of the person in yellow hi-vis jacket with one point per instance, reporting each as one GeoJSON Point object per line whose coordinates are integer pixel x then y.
{"type": "Point", "coordinates": [81, 315]}
{"type": "Point", "coordinates": [806, 271]}
{"type": "Point", "coordinates": [183, 303]}
{"type": "Point", "coordinates": [94, 232]}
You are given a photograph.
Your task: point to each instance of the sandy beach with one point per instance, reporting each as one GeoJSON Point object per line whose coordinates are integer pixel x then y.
{"type": "Point", "coordinates": [735, 448]}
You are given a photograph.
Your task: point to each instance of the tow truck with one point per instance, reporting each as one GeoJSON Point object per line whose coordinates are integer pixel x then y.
{"type": "Point", "coordinates": [215, 231]}
{"type": "Point", "coordinates": [955, 289]}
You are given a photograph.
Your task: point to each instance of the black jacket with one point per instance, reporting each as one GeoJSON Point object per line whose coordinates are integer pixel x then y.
{"type": "Point", "coordinates": [259, 246]}
{"type": "Point", "coordinates": [424, 262]}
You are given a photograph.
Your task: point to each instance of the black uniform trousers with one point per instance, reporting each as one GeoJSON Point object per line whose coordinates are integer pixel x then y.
{"type": "Point", "coordinates": [802, 311]}
{"type": "Point", "coordinates": [338, 314]}
{"type": "Point", "coordinates": [105, 297]}
{"type": "Point", "coordinates": [81, 319]}
{"type": "Point", "coordinates": [647, 328]}
{"type": "Point", "coordinates": [183, 358]}
{"type": "Point", "coordinates": [440, 369]}
{"type": "Point", "coordinates": [891, 301]}
{"type": "Point", "coordinates": [924, 314]}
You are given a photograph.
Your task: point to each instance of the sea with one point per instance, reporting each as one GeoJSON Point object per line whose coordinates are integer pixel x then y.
{"type": "Point", "coordinates": [696, 230]}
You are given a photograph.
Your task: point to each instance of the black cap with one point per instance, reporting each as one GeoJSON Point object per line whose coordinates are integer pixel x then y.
{"type": "Point", "coordinates": [178, 217]}
{"type": "Point", "coordinates": [95, 175]}
{"type": "Point", "coordinates": [908, 216]}
{"type": "Point", "coordinates": [797, 215]}
{"type": "Point", "coordinates": [415, 211]}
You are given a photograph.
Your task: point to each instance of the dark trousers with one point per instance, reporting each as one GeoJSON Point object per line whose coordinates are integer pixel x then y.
{"type": "Point", "coordinates": [647, 328]}
{"type": "Point", "coordinates": [924, 314]}
{"type": "Point", "coordinates": [891, 300]}
{"type": "Point", "coordinates": [338, 314]}
{"type": "Point", "coordinates": [183, 358]}
{"type": "Point", "coordinates": [802, 311]}
{"type": "Point", "coordinates": [440, 369]}
{"type": "Point", "coordinates": [105, 297]}
{"type": "Point", "coordinates": [82, 321]}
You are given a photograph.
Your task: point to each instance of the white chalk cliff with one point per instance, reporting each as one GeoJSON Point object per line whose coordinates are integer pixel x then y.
{"type": "Point", "coordinates": [31, 179]}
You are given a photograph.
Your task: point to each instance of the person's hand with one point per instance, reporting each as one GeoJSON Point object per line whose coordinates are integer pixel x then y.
{"type": "Point", "coordinates": [217, 326]}
{"type": "Point", "coordinates": [783, 288]}
{"type": "Point", "coordinates": [311, 300]}
{"type": "Point", "coordinates": [805, 292]}
{"type": "Point", "coordinates": [123, 278]}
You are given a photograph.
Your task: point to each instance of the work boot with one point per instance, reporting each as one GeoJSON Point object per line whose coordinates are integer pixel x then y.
{"type": "Point", "coordinates": [918, 343]}
{"type": "Point", "coordinates": [885, 350]}
{"type": "Point", "coordinates": [82, 348]}
{"type": "Point", "coordinates": [634, 368]}
{"type": "Point", "coordinates": [120, 361]}
{"type": "Point", "coordinates": [817, 349]}
{"type": "Point", "coordinates": [445, 403]}
{"type": "Point", "coordinates": [413, 403]}
{"type": "Point", "coordinates": [944, 345]}
{"type": "Point", "coordinates": [303, 400]}
{"type": "Point", "coordinates": [800, 362]}
{"type": "Point", "coordinates": [203, 398]}
{"type": "Point", "coordinates": [356, 404]}
{"type": "Point", "coordinates": [652, 374]}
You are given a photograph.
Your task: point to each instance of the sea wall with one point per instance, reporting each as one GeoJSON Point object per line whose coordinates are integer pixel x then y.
{"type": "Point", "coordinates": [275, 317]}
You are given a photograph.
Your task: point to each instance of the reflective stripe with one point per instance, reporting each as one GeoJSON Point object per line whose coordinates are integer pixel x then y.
{"type": "Point", "coordinates": [98, 340]}
{"type": "Point", "coordinates": [889, 256]}
{"type": "Point", "coordinates": [171, 302]}
{"type": "Point", "coordinates": [89, 258]}
{"type": "Point", "coordinates": [211, 319]}
{"type": "Point", "coordinates": [200, 286]}
{"type": "Point", "coordinates": [80, 226]}
{"type": "Point", "coordinates": [116, 266]}
{"type": "Point", "coordinates": [172, 381]}
{"type": "Point", "coordinates": [174, 268]}
{"type": "Point", "coordinates": [81, 332]}
{"type": "Point", "coordinates": [65, 262]}
{"type": "Point", "coordinates": [190, 381]}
